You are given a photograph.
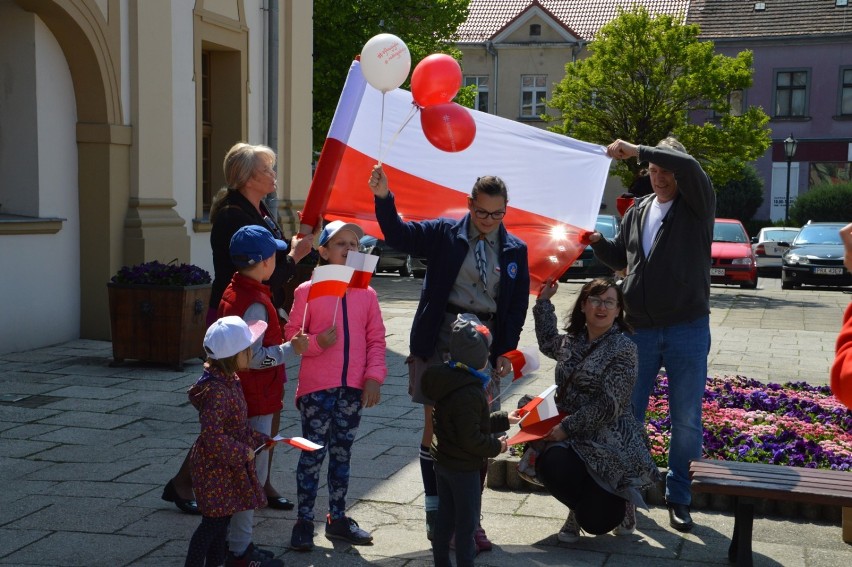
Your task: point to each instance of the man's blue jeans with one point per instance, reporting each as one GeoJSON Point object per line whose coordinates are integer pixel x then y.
{"type": "Point", "coordinates": [682, 349]}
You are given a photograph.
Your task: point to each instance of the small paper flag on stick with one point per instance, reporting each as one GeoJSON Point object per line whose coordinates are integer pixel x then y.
{"type": "Point", "coordinates": [540, 408]}
{"type": "Point", "coordinates": [298, 442]}
{"type": "Point", "coordinates": [364, 265]}
{"type": "Point", "coordinates": [330, 280]}
{"type": "Point", "coordinates": [538, 417]}
{"type": "Point", "coordinates": [524, 361]}
{"type": "Point", "coordinates": [302, 443]}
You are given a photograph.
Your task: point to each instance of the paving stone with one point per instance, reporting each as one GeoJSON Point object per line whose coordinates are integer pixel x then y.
{"type": "Point", "coordinates": [90, 419]}
{"type": "Point", "coordinates": [11, 540]}
{"type": "Point", "coordinates": [83, 549]}
{"type": "Point", "coordinates": [82, 471]}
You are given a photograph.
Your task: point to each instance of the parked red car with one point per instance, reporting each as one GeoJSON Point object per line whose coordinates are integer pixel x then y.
{"type": "Point", "coordinates": [732, 259]}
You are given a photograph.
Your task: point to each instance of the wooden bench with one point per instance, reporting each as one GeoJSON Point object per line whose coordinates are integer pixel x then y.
{"type": "Point", "coordinates": [747, 482]}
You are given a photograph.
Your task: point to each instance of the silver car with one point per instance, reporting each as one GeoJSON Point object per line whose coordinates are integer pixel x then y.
{"type": "Point", "coordinates": [769, 246]}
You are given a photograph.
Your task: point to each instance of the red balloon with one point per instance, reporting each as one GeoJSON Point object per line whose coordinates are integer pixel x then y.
{"type": "Point", "coordinates": [448, 126]}
{"type": "Point", "coordinates": [436, 79]}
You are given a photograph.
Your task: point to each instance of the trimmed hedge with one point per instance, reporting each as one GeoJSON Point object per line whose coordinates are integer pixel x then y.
{"type": "Point", "coordinates": [824, 203]}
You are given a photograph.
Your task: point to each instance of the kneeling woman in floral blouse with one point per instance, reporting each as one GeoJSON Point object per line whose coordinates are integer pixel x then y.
{"type": "Point", "coordinates": [596, 459]}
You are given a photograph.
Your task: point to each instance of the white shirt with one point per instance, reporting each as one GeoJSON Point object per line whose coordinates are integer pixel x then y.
{"type": "Point", "coordinates": [653, 221]}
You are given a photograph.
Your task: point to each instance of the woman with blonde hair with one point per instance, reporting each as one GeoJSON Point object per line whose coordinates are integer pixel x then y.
{"type": "Point", "coordinates": [249, 176]}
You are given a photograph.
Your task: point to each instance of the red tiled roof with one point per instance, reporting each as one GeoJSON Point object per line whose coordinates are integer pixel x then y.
{"type": "Point", "coordinates": [737, 19]}
{"type": "Point", "coordinates": [584, 17]}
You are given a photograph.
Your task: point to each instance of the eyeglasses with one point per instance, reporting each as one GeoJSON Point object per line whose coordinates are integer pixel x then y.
{"type": "Point", "coordinates": [483, 214]}
{"type": "Point", "coordinates": [597, 302]}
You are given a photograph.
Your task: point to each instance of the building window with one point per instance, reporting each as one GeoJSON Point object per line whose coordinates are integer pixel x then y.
{"type": "Point", "coordinates": [736, 104]}
{"type": "Point", "coordinates": [846, 92]}
{"type": "Point", "coordinates": [791, 93]}
{"type": "Point", "coordinates": [481, 82]}
{"type": "Point", "coordinates": [535, 29]}
{"type": "Point", "coordinates": [533, 95]}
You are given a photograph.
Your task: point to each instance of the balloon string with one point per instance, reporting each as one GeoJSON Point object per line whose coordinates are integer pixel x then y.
{"type": "Point", "coordinates": [411, 113]}
{"type": "Point", "coordinates": [381, 128]}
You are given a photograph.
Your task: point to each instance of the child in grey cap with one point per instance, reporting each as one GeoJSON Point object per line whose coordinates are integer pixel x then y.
{"type": "Point", "coordinates": [462, 439]}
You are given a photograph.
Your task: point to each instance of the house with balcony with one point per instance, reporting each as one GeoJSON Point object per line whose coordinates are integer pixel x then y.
{"type": "Point", "coordinates": [115, 117]}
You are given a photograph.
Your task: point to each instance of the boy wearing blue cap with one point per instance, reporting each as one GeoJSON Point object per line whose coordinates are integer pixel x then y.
{"type": "Point", "coordinates": [253, 251]}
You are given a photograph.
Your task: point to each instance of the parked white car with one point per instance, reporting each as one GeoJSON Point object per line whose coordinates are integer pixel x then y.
{"type": "Point", "coordinates": [769, 246]}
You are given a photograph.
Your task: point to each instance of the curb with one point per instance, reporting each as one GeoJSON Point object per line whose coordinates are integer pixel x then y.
{"type": "Point", "coordinates": [503, 474]}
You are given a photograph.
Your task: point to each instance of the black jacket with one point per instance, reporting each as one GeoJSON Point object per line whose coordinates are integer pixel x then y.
{"type": "Point", "coordinates": [462, 437]}
{"type": "Point", "coordinates": [669, 284]}
{"type": "Point", "coordinates": [236, 212]}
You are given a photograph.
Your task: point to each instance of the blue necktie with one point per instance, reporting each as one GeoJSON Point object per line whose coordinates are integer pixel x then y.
{"type": "Point", "coordinates": [481, 262]}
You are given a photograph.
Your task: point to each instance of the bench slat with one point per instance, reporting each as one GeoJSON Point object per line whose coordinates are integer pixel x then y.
{"type": "Point", "coordinates": [780, 480]}
{"type": "Point", "coordinates": [752, 468]}
{"type": "Point", "coordinates": [758, 480]}
{"type": "Point", "coordinates": [760, 490]}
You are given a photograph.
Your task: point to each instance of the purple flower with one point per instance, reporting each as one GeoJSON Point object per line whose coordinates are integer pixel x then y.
{"type": "Point", "coordinates": [157, 273]}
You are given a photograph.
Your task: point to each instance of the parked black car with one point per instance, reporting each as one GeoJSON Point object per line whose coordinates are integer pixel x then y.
{"type": "Point", "coordinates": [815, 257]}
{"type": "Point", "coordinates": [392, 260]}
{"type": "Point", "coordinates": [587, 265]}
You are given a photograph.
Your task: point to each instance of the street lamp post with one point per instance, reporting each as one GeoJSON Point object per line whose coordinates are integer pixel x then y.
{"type": "Point", "coordinates": [789, 150]}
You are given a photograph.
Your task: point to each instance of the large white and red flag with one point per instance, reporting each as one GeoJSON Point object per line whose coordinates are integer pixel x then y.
{"type": "Point", "coordinates": [364, 266]}
{"type": "Point", "coordinates": [555, 183]}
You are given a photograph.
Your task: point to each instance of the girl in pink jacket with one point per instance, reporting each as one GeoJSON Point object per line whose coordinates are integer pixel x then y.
{"type": "Point", "coordinates": [341, 373]}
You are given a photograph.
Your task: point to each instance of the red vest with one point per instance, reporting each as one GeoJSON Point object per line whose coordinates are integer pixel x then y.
{"type": "Point", "coordinates": [264, 387]}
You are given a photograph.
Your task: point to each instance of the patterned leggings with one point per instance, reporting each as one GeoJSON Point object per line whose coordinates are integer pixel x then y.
{"type": "Point", "coordinates": [208, 544]}
{"type": "Point", "coordinates": [330, 418]}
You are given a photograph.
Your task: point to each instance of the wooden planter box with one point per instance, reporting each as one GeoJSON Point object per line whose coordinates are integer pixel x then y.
{"type": "Point", "coordinates": [164, 324]}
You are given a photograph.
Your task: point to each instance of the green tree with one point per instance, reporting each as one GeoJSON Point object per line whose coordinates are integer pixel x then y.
{"type": "Point", "coordinates": [740, 197]}
{"type": "Point", "coordinates": [342, 27]}
{"type": "Point", "coordinates": [643, 80]}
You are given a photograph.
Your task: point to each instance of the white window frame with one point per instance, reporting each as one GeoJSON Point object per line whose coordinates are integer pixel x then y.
{"type": "Point", "coordinates": [482, 83]}
{"type": "Point", "coordinates": [845, 87]}
{"type": "Point", "coordinates": [536, 87]}
{"type": "Point", "coordinates": [793, 90]}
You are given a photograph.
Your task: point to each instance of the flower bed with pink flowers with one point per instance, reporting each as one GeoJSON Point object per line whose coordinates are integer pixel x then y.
{"type": "Point", "coordinates": [794, 424]}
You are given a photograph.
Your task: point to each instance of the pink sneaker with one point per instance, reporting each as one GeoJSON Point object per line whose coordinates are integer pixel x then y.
{"type": "Point", "coordinates": [481, 540]}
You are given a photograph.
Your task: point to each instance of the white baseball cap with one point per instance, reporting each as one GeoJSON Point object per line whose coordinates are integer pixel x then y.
{"type": "Point", "coordinates": [334, 227]}
{"type": "Point", "coordinates": [231, 335]}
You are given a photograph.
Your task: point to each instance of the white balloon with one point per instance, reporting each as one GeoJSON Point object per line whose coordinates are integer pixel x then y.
{"type": "Point", "coordinates": [385, 62]}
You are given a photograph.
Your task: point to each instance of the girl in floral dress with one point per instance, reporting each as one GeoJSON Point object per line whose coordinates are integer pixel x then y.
{"type": "Point", "coordinates": [223, 472]}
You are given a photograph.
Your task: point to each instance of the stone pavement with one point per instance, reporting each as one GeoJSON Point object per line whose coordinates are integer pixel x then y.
{"type": "Point", "coordinates": [86, 448]}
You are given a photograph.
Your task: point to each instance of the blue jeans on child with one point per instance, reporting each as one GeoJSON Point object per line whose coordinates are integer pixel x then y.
{"type": "Point", "coordinates": [460, 499]}
{"type": "Point", "coordinates": [329, 418]}
{"type": "Point", "coordinates": [682, 349]}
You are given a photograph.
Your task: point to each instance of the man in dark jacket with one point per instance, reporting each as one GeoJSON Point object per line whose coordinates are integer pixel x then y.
{"type": "Point", "coordinates": [462, 441]}
{"type": "Point", "coordinates": [473, 266]}
{"type": "Point", "coordinates": [664, 243]}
